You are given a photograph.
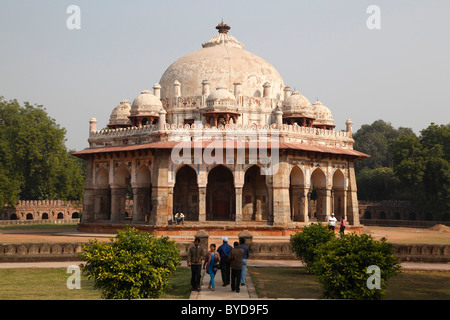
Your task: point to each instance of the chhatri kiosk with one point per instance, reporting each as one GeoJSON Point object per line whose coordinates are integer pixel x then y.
{"type": "Point", "coordinates": [223, 140]}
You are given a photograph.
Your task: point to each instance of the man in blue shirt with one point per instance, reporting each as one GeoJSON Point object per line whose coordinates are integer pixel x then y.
{"type": "Point", "coordinates": [244, 259]}
{"type": "Point", "coordinates": [224, 251]}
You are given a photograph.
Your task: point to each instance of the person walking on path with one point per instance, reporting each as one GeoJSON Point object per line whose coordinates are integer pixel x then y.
{"type": "Point", "coordinates": [212, 260]}
{"type": "Point", "coordinates": [244, 259]}
{"type": "Point", "coordinates": [332, 222]}
{"type": "Point", "coordinates": [236, 255]}
{"type": "Point", "coordinates": [342, 227]}
{"type": "Point", "coordinates": [194, 260]}
{"type": "Point", "coordinates": [224, 252]}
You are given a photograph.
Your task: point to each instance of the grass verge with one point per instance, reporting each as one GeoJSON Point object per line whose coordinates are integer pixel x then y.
{"type": "Point", "coordinates": [50, 284]}
{"type": "Point", "coordinates": [298, 284]}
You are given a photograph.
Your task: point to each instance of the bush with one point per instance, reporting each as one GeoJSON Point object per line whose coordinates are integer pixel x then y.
{"type": "Point", "coordinates": [134, 265]}
{"type": "Point", "coordinates": [341, 266]}
{"type": "Point", "coordinates": [305, 242]}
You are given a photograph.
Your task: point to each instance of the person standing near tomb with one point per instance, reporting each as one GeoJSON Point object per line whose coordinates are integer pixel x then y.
{"type": "Point", "coordinates": [212, 260]}
{"type": "Point", "coordinates": [236, 255]}
{"type": "Point", "coordinates": [244, 259]}
{"type": "Point", "coordinates": [224, 251]}
{"type": "Point", "coordinates": [332, 222]}
{"type": "Point", "coordinates": [194, 261]}
{"type": "Point", "coordinates": [342, 227]}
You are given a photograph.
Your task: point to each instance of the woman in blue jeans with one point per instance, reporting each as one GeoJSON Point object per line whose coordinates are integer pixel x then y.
{"type": "Point", "coordinates": [212, 258]}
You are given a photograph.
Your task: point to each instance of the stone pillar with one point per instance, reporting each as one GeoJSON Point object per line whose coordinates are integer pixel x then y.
{"type": "Point", "coordinates": [266, 90]}
{"type": "Point", "coordinates": [352, 197]}
{"type": "Point", "coordinates": [201, 204]}
{"type": "Point", "coordinates": [160, 189]}
{"type": "Point", "coordinates": [205, 88]}
{"type": "Point", "coordinates": [238, 192]}
{"type": "Point", "coordinates": [141, 201]}
{"type": "Point", "coordinates": [258, 211]}
{"type": "Point", "coordinates": [89, 193]}
{"type": "Point", "coordinates": [92, 125]}
{"type": "Point", "coordinates": [157, 90]}
{"type": "Point", "coordinates": [237, 89]}
{"type": "Point", "coordinates": [287, 92]}
{"type": "Point", "coordinates": [118, 198]}
{"type": "Point", "coordinates": [305, 206]}
{"type": "Point", "coordinates": [162, 119]}
{"type": "Point", "coordinates": [278, 117]}
{"type": "Point", "coordinates": [281, 204]}
{"type": "Point", "coordinates": [349, 125]}
{"type": "Point", "coordinates": [102, 205]}
{"type": "Point", "coordinates": [177, 88]}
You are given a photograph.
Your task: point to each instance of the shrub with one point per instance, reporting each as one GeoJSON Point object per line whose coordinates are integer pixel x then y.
{"type": "Point", "coordinates": [341, 266]}
{"type": "Point", "coordinates": [134, 265]}
{"type": "Point", "coordinates": [305, 242]}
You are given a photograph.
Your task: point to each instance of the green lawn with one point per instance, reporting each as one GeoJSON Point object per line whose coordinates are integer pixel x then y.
{"type": "Point", "coordinates": [50, 284]}
{"type": "Point", "coordinates": [269, 282]}
{"type": "Point", "coordinates": [296, 283]}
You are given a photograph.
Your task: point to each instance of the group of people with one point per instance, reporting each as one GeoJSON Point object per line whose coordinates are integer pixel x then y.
{"type": "Point", "coordinates": [232, 262]}
{"type": "Point", "coordinates": [332, 223]}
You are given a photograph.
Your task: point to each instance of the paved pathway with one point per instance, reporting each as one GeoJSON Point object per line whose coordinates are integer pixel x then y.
{"type": "Point", "coordinates": [223, 293]}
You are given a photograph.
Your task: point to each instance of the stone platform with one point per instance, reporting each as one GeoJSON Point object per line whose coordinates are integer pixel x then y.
{"type": "Point", "coordinates": [213, 228]}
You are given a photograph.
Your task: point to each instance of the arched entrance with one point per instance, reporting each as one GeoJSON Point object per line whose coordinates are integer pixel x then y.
{"type": "Point", "coordinates": [142, 205]}
{"type": "Point", "coordinates": [220, 194]}
{"type": "Point", "coordinates": [297, 195]}
{"type": "Point", "coordinates": [120, 192]}
{"type": "Point", "coordinates": [319, 193]}
{"type": "Point", "coordinates": [102, 206]}
{"type": "Point", "coordinates": [185, 193]}
{"type": "Point", "coordinates": [254, 195]}
{"type": "Point", "coordinates": [339, 198]}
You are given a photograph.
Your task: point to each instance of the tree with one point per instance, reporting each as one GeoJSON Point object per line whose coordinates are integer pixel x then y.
{"type": "Point", "coordinates": [375, 176]}
{"type": "Point", "coordinates": [304, 243]}
{"type": "Point", "coordinates": [378, 184]}
{"type": "Point", "coordinates": [35, 164]}
{"type": "Point", "coordinates": [374, 140]}
{"type": "Point", "coordinates": [135, 265]}
{"type": "Point", "coordinates": [422, 165]}
{"type": "Point", "coordinates": [342, 266]}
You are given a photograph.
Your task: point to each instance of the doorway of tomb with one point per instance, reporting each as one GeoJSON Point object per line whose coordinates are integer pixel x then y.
{"type": "Point", "coordinates": [220, 194]}
{"type": "Point", "coordinates": [254, 195]}
{"type": "Point", "coordinates": [185, 193]}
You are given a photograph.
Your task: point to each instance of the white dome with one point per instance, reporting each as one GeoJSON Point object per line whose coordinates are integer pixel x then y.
{"type": "Point", "coordinates": [119, 115]}
{"type": "Point", "coordinates": [223, 62]}
{"type": "Point", "coordinates": [221, 93]}
{"type": "Point", "coordinates": [296, 103]}
{"type": "Point", "coordinates": [145, 104]}
{"type": "Point", "coordinates": [322, 114]}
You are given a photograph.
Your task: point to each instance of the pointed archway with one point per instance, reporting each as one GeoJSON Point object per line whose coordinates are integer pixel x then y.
{"type": "Point", "coordinates": [186, 194]}
{"type": "Point", "coordinates": [220, 194]}
{"type": "Point", "coordinates": [320, 194]}
{"type": "Point", "coordinates": [254, 195]}
{"type": "Point", "coordinates": [339, 199]}
{"type": "Point", "coordinates": [298, 195]}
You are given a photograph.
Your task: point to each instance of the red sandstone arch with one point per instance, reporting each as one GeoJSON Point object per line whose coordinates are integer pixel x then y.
{"type": "Point", "coordinates": [186, 193]}
{"type": "Point", "coordinates": [255, 195]}
{"type": "Point", "coordinates": [338, 195]}
{"type": "Point", "coordinates": [220, 194]}
{"type": "Point", "coordinates": [297, 194]}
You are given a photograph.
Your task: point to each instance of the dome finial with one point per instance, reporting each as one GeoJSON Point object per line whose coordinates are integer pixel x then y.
{"type": "Point", "coordinates": [223, 27]}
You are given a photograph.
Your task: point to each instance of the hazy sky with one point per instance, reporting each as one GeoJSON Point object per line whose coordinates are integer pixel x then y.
{"type": "Point", "coordinates": [324, 49]}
